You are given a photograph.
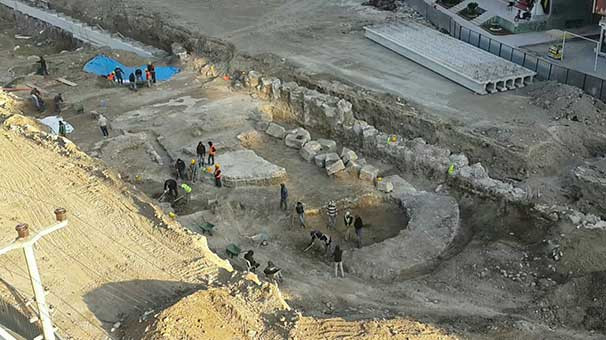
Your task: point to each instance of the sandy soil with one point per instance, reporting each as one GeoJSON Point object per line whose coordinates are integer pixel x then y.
{"type": "Point", "coordinates": [119, 254]}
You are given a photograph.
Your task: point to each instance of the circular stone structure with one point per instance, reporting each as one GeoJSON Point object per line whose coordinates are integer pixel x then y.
{"type": "Point", "coordinates": [245, 167]}
{"type": "Point", "coordinates": [432, 229]}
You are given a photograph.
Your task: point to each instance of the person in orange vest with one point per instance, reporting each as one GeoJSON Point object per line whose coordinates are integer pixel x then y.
{"type": "Point", "coordinates": [148, 78]}
{"type": "Point", "coordinates": [152, 70]}
{"type": "Point", "coordinates": [211, 153]}
{"type": "Point", "coordinates": [218, 175]}
{"type": "Point", "coordinates": [111, 76]}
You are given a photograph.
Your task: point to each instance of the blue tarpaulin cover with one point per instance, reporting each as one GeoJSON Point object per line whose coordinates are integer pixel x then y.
{"type": "Point", "coordinates": [103, 65]}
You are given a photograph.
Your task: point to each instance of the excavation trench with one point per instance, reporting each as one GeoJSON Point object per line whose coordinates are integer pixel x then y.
{"type": "Point", "coordinates": [245, 211]}
{"type": "Point", "coordinates": [494, 220]}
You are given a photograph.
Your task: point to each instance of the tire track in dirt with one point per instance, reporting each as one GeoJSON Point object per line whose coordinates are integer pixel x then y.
{"type": "Point", "coordinates": [82, 263]}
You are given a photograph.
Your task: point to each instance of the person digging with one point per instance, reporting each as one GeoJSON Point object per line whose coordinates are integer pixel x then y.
{"type": "Point", "coordinates": [170, 189]}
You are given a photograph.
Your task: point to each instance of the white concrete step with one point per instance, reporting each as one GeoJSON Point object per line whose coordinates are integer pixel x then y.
{"type": "Point", "coordinates": [483, 18]}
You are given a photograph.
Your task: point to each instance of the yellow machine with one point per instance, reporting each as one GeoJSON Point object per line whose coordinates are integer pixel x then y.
{"type": "Point", "coordinates": [555, 52]}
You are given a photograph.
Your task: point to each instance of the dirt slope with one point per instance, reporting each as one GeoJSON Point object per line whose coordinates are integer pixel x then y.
{"type": "Point", "coordinates": [118, 255]}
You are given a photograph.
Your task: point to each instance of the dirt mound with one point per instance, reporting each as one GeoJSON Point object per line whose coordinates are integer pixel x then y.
{"type": "Point", "coordinates": [240, 310]}
{"type": "Point", "coordinates": [246, 309]}
{"type": "Point", "coordinates": [568, 102]}
{"type": "Point", "coordinates": [337, 328]}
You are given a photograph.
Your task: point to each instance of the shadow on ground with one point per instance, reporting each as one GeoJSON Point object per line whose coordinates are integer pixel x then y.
{"type": "Point", "coordinates": [136, 297]}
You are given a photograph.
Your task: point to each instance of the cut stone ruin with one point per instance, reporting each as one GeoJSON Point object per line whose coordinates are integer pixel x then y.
{"type": "Point", "coordinates": [245, 167]}
{"type": "Point", "coordinates": [297, 138]}
{"type": "Point", "coordinates": [432, 229]}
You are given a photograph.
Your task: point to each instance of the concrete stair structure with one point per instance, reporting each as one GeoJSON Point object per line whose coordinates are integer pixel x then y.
{"type": "Point", "coordinates": [467, 65]}
{"type": "Point", "coordinates": [83, 32]}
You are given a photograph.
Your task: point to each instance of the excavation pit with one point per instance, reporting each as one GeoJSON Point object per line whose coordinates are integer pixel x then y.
{"type": "Point", "coordinates": [383, 219]}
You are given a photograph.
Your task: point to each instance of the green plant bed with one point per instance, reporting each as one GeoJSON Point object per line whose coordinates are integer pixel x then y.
{"type": "Point", "coordinates": [449, 3]}
{"type": "Point", "coordinates": [495, 28]}
{"type": "Point", "coordinates": [472, 11]}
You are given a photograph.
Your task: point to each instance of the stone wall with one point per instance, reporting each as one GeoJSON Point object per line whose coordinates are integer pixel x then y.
{"type": "Point", "coordinates": [39, 30]}
{"type": "Point", "coordinates": [334, 117]}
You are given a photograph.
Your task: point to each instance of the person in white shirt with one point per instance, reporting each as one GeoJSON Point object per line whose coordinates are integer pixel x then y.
{"type": "Point", "coordinates": [103, 125]}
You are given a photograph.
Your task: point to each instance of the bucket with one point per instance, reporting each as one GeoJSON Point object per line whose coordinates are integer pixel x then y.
{"type": "Point", "coordinates": [22, 230]}
{"type": "Point", "coordinates": [60, 214]}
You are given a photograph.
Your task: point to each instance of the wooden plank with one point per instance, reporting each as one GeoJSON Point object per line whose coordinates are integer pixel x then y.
{"type": "Point", "coordinates": [66, 82]}
{"type": "Point", "coordinates": [13, 89]}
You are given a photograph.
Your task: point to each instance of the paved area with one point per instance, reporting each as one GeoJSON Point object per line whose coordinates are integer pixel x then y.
{"type": "Point", "coordinates": [578, 55]}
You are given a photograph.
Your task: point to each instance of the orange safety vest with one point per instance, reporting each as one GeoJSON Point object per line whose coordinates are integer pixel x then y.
{"type": "Point", "coordinates": [212, 150]}
{"type": "Point", "coordinates": [111, 76]}
{"type": "Point", "coordinates": [147, 75]}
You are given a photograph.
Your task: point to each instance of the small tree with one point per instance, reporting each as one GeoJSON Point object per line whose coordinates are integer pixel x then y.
{"type": "Point", "coordinates": [472, 8]}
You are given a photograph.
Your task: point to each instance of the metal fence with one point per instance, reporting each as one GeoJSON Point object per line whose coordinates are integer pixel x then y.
{"type": "Point", "coordinates": [545, 69]}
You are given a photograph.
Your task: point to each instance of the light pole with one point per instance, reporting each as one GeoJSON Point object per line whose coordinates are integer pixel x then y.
{"type": "Point", "coordinates": [26, 241]}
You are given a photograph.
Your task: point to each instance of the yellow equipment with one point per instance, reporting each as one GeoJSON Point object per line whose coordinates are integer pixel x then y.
{"type": "Point", "coordinates": [186, 187]}
{"type": "Point", "coordinates": [451, 169]}
{"type": "Point", "coordinates": [555, 52]}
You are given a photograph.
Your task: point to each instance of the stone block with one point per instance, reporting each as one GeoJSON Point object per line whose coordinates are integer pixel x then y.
{"type": "Point", "coordinates": [276, 85]}
{"type": "Point", "coordinates": [369, 136]}
{"type": "Point", "coordinates": [331, 158]}
{"type": "Point", "coordinates": [295, 100]}
{"type": "Point", "coordinates": [328, 145]}
{"type": "Point", "coordinates": [348, 155]}
{"type": "Point", "coordinates": [400, 185]}
{"type": "Point", "coordinates": [384, 186]}
{"type": "Point", "coordinates": [262, 125]}
{"type": "Point", "coordinates": [319, 159]}
{"type": "Point", "coordinates": [254, 79]}
{"type": "Point", "coordinates": [368, 173]}
{"type": "Point", "coordinates": [359, 126]}
{"type": "Point", "coordinates": [353, 168]}
{"type": "Point", "coordinates": [265, 88]}
{"type": "Point", "coordinates": [297, 138]}
{"type": "Point", "coordinates": [458, 160]}
{"type": "Point", "coordinates": [275, 130]}
{"type": "Point", "coordinates": [179, 51]}
{"type": "Point", "coordinates": [309, 150]}
{"type": "Point", "coordinates": [475, 171]}
{"type": "Point", "coordinates": [335, 167]}
{"type": "Point", "coordinates": [344, 111]}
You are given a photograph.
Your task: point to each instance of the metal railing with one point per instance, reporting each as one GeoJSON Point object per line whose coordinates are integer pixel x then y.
{"type": "Point", "coordinates": [545, 69]}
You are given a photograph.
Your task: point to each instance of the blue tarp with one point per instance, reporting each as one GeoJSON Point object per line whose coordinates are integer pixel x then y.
{"type": "Point", "coordinates": [102, 65]}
